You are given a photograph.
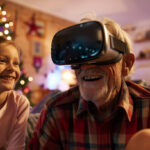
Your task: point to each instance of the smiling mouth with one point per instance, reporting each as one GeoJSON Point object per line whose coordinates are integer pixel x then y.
{"type": "Point", "coordinates": [92, 78]}
{"type": "Point", "coordinates": [7, 77]}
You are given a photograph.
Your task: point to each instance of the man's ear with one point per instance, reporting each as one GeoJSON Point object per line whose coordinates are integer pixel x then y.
{"type": "Point", "coordinates": [128, 61]}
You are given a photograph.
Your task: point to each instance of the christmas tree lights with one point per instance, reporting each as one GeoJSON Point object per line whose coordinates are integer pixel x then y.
{"type": "Point", "coordinates": [22, 84]}
{"type": "Point", "coordinates": [6, 26]}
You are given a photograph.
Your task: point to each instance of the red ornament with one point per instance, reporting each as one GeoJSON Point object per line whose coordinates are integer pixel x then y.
{"type": "Point", "coordinates": [33, 27]}
{"type": "Point", "coordinates": [26, 90]}
{"type": "Point", "coordinates": [37, 63]}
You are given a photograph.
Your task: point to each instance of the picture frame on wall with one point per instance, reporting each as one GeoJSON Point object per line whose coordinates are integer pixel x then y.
{"type": "Point", "coordinates": [37, 48]}
{"type": "Point", "coordinates": [37, 53]}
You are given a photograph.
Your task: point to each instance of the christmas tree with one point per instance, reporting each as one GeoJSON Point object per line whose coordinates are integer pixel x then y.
{"type": "Point", "coordinates": [22, 84]}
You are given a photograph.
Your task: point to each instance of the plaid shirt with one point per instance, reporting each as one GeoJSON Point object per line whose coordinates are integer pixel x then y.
{"type": "Point", "coordinates": [70, 123]}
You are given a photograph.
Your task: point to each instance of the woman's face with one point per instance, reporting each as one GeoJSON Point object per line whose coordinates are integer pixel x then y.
{"type": "Point", "coordinates": [9, 67]}
{"type": "Point", "coordinates": [99, 83]}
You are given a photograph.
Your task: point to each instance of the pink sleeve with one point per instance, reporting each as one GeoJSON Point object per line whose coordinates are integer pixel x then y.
{"type": "Point", "coordinates": [17, 138]}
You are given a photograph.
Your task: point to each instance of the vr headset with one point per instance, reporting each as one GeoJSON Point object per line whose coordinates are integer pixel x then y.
{"type": "Point", "coordinates": [89, 42]}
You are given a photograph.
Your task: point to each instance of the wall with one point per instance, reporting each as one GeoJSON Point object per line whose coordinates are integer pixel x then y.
{"type": "Point", "coordinates": [51, 24]}
{"type": "Point", "coordinates": [140, 35]}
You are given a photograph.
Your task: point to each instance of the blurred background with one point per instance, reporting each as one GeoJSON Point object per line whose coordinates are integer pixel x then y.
{"type": "Point", "coordinates": [33, 23]}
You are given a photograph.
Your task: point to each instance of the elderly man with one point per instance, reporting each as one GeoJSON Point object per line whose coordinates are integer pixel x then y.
{"type": "Point", "coordinates": [103, 111]}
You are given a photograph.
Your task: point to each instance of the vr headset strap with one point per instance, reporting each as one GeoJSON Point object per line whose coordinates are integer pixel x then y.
{"type": "Point", "coordinates": [118, 45]}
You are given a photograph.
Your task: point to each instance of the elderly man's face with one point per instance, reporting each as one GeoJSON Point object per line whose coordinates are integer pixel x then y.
{"type": "Point", "coordinates": [99, 83]}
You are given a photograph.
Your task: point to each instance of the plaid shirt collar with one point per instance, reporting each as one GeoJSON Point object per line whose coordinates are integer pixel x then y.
{"type": "Point", "coordinates": [125, 102]}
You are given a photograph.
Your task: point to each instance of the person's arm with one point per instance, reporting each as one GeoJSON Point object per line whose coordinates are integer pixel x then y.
{"type": "Point", "coordinates": [17, 137]}
{"type": "Point", "coordinates": [45, 135]}
{"type": "Point", "coordinates": [140, 140]}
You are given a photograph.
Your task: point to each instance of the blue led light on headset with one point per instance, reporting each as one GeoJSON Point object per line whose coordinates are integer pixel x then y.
{"type": "Point", "coordinates": [88, 42]}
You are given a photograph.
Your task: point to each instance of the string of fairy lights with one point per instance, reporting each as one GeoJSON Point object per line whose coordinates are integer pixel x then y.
{"type": "Point", "coordinates": [5, 25]}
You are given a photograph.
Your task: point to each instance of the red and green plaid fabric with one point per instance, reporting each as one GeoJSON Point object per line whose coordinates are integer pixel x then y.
{"type": "Point", "coordinates": [71, 123]}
